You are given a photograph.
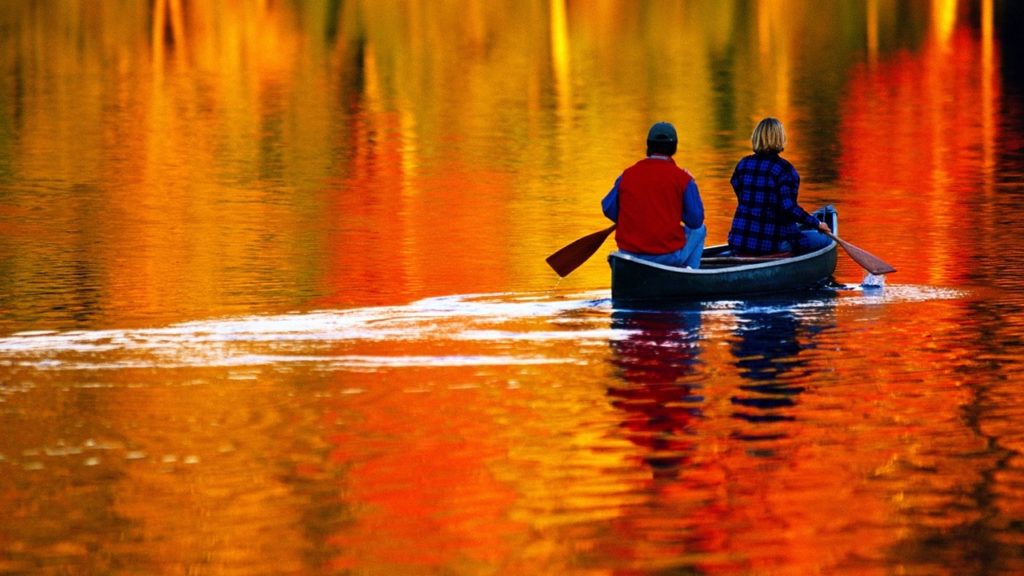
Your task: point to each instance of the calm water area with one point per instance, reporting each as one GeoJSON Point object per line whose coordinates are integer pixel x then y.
{"type": "Point", "coordinates": [273, 297]}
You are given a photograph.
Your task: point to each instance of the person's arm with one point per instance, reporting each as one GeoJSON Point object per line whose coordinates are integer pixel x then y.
{"type": "Point", "coordinates": [610, 204]}
{"type": "Point", "coordinates": [693, 207]}
{"type": "Point", "coordinates": [788, 187]}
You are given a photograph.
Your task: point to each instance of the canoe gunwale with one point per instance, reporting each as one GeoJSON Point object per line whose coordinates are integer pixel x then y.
{"type": "Point", "coordinates": [726, 269]}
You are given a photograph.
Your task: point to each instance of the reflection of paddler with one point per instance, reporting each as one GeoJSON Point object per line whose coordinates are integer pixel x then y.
{"type": "Point", "coordinates": [659, 351]}
{"type": "Point", "coordinates": [767, 351]}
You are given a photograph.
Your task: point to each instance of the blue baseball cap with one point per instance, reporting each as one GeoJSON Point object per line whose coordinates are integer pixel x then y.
{"type": "Point", "coordinates": [662, 132]}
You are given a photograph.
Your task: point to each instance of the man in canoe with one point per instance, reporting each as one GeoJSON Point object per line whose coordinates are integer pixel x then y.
{"type": "Point", "coordinates": [767, 219]}
{"type": "Point", "coordinates": [650, 200]}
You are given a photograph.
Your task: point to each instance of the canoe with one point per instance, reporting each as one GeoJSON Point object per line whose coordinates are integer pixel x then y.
{"type": "Point", "coordinates": [723, 274]}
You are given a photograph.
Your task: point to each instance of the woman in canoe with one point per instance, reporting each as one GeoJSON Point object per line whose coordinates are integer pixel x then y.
{"type": "Point", "coordinates": [650, 200]}
{"type": "Point", "coordinates": [768, 217]}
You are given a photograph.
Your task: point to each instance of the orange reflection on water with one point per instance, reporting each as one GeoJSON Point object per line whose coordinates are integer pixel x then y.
{"type": "Point", "coordinates": [392, 232]}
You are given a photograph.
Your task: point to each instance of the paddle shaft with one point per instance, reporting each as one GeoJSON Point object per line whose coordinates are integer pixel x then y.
{"type": "Point", "coordinates": [865, 259]}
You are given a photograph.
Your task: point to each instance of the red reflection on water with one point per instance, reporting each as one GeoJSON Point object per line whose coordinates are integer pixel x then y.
{"type": "Point", "coordinates": [419, 476]}
{"type": "Point", "coordinates": [918, 135]}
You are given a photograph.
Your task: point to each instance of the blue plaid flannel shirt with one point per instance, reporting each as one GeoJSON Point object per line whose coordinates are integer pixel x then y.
{"type": "Point", "coordinates": [766, 186]}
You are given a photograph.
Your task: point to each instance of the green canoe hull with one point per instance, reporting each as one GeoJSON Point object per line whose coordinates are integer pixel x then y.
{"type": "Point", "coordinates": [637, 279]}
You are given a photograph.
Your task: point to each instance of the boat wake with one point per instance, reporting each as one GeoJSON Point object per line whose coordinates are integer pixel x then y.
{"type": "Point", "coordinates": [349, 339]}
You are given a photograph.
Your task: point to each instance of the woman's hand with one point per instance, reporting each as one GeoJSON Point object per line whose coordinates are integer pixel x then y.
{"type": "Point", "coordinates": [824, 227]}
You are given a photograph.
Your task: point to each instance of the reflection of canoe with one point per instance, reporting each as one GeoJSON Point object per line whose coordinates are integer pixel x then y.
{"type": "Point", "coordinates": [723, 274]}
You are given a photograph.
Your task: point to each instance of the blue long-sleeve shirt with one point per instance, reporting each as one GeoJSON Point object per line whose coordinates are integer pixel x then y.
{"type": "Point", "coordinates": [767, 211]}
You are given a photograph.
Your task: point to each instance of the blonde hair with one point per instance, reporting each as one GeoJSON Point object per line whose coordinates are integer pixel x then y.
{"type": "Point", "coordinates": [769, 136]}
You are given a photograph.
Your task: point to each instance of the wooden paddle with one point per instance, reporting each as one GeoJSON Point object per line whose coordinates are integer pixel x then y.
{"type": "Point", "coordinates": [868, 261]}
{"type": "Point", "coordinates": [577, 252]}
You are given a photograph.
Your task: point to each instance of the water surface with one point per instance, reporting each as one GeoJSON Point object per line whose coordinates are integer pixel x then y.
{"type": "Point", "coordinates": [273, 298]}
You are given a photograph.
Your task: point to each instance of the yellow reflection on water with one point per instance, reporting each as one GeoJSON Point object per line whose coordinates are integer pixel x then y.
{"type": "Point", "coordinates": [944, 14]}
{"type": "Point", "coordinates": [560, 58]}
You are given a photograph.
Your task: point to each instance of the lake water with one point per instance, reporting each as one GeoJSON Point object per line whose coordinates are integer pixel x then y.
{"type": "Point", "coordinates": [273, 297]}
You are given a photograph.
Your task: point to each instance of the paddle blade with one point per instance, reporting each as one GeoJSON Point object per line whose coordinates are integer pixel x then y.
{"type": "Point", "coordinates": [569, 258]}
{"type": "Point", "coordinates": [868, 261]}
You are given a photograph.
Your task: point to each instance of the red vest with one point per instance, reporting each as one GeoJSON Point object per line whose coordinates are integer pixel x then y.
{"type": "Point", "coordinates": [651, 207]}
